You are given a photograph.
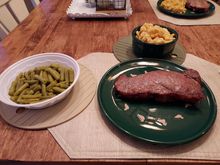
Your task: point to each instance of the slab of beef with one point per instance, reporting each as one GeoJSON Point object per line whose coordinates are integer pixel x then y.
{"type": "Point", "coordinates": [162, 86]}
{"type": "Point", "coordinates": [199, 6]}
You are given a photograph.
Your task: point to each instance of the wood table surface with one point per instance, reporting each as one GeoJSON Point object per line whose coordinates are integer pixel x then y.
{"type": "Point", "coordinates": [48, 29]}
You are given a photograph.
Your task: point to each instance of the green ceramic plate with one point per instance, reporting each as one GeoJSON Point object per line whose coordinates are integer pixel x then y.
{"type": "Point", "coordinates": [150, 121]}
{"type": "Point", "coordinates": [188, 13]}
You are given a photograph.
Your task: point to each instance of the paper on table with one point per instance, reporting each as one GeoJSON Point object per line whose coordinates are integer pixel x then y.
{"type": "Point", "coordinates": [89, 135]}
{"type": "Point", "coordinates": [210, 20]}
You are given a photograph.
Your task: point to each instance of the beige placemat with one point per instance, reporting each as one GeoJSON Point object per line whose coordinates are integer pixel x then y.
{"type": "Point", "coordinates": [91, 136]}
{"type": "Point", "coordinates": [210, 20]}
{"type": "Point", "coordinates": [81, 95]}
{"type": "Point", "coordinates": [122, 50]}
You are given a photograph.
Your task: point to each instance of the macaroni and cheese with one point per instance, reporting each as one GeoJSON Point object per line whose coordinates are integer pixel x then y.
{"type": "Point", "coordinates": [154, 34]}
{"type": "Point", "coordinates": [176, 6]}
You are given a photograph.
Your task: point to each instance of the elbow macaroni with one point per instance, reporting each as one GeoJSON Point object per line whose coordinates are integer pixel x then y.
{"type": "Point", "coordinates": [154, 34]}
{"type": "Point", "coordinates": [176, 6]}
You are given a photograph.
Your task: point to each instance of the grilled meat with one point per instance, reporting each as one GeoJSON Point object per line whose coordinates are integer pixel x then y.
{"type": "Point", "coordinates": [199, 6]}
{"type": "Point", "coordinates": [162, 86]}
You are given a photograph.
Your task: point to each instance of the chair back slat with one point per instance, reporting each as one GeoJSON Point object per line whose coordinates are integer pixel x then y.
{"type": "Point", "coordinates": [31, 4]}
{"type": "Point", "coordinates": [7, 19]}
{"type": "Point", "coordinates": [19, 8]}
{"type": "Point", "coordinates": [3, 32]}
{"type": "Point", "coordinates": [13, 12]}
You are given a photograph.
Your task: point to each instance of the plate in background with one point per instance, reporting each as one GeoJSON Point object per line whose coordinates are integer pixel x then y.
{"type": "Point", "coordinates": [188, 13]}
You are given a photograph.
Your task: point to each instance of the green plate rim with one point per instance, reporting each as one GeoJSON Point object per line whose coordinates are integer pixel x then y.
{"type": "Point", "coordinates": [187, 15]}
{"type": "Point", "coordinates": [192, 138]}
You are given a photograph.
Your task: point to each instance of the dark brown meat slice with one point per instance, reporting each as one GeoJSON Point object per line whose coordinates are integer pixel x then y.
{"type": "Point", "coordinates": [162, 86]}
{"type": "Point", "coordinates": [197, 5]}
{"type": "Point", "coordinates": [191, 73]}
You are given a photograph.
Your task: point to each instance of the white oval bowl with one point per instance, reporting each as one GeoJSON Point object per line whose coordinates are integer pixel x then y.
{"type": "Point", "coordinates": [9, 75]}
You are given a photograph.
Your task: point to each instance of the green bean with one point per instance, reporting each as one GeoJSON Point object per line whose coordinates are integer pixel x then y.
{"type": "Point", "coordinates": [36, 93]}
{"type": "Point", "coordinates": [41, 73]}
{"type": "Point", "coordinates": [56, 66]}
{"type": "Point", "coordinates": [51, 85]}
{"type": "Point", "coordinates": [71, 75]}
{"type": "Point", "coordinates": [50, 78]}
{"type": "Point", "coordinates": [28, 101]}
{"type": "Point", "coordinates": [66, 75]}
{"type": "Point", "coordinates": [34, 85]}
{"type": "Point", "coordinates": [45, 76]}
{"type": "Point", "coordinates": [53, 72]}
{"type": "Point", "coordinates": [30, 92]}
{"type": "Point", "coordinates": [31, 81]}
{"type": "Point", "coordinates": [37, 88]}
{"type": "Point", "coordinates": [40, 79]}
{"type": "Point", "coordinates": [58, 89]}
{"type": "Point", "coordinates": [21, 94]}
{"type": "Point", "coordinates": [32, 73]}
{"type": "Point", "coordinates": [39, 68]}
{"type": "Point", "coordinates": [21, 89]}
{"type": "Point", "coordinates": [63, 84]}
{"type": "Point", "coordinates": [51, 94]}
{"type": "Point", "coordinates": [12, 88]}
{"type": "Point", "coordinates": [19, 84]}
{"type": "Point", "coordinates": [61, 69]}
{"type": "Point", "coordinates": [31, 96]}
{"type": "Point", "coordinates": [14, 98]}
{"type": "Point", "coordinates": [20, 75]}
{"type": "Point", "coordinates": [26, 75]}
{"type": "Point", "coordinates": [43, 90]}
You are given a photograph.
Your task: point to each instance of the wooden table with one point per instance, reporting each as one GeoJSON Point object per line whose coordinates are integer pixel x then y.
{"type": "Point", "coordinates": [48, 29]}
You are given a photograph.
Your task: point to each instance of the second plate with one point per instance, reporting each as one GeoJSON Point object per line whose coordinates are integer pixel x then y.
{"type": "Point", "coordinates": [188, 13]}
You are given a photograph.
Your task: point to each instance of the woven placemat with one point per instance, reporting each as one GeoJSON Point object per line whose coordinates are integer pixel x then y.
{"type": "Point", "coordinates": [123, 51]}
{"type": "Point", "coordinates": [81, 95]}
{"type": "Point", "coordinates": [91, 136]}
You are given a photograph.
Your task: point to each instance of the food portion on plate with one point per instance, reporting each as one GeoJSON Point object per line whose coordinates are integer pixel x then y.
{"type": "Point", "coordinates": [40, 83]}
{"type": "Point", "coordinates": [176, 6]}
{"type": "Point", "coordinates": [154, 34]}
{"type": "Point", "coordinates": [180, 6]}
{"type": "Point", "coordinates": [152, 40]}
{"type": "Point", "coordinates": [28, 82]}
{"type": "Point", "coordinates": [162, 86]}
{"type": "Point", "coordinates": [200, 6]}
{"type": "Point", "coordinates": [186, 8]}
{"type": "Point", "coordinates": [168, 121]}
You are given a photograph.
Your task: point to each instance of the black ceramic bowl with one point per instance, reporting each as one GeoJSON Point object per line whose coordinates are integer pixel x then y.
{"type": "Point", "coordinates": [143, 49]}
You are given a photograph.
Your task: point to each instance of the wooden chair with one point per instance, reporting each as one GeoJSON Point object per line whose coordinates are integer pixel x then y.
{"type": "Point", "coordinates": [13, 12]}
{"type": "Point", "coordinates": [3, 32]}
{"type": "Point", "coordinates": [31, 4]}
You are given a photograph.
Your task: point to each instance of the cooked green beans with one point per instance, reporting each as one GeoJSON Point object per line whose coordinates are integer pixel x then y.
{"type": "Point", "coordinates": [12, 88]}
{"type": "Point", "coordinates": [20, 89]}
{"type": "Point", "coordinates": [53, 72]}
{"type": "Point", "coordinates": [40, 83]}
{"type": "Point", "coordinates": [71, 75]}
